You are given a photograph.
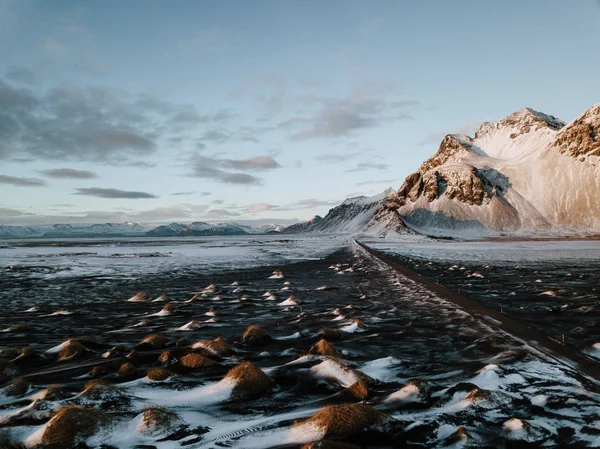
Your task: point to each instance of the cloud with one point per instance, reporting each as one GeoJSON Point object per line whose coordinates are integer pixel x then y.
{"type": "Point", "coordinates": [334, 117]}
{"type": "Point", "coordinates": [6, 212]}
{"type": "Point", "coordinates": [221, 213]}
{"type": "Point", "coordinates": [253, 163]}
{"type": "Point", "coordinates": [185, 212]}
{"type": "Point", "coordinates": [380, 181]}
{"type": "Point", "coordinates": [337, 157]}
{"type": "Point", "coordinates": [191, 192]}
{"type": "Point", "coordinates": [260, 207]}
{"type": "Point", "coordinates": [94, 68]}
{"type": "Point", "coordinates": [228, 170]}
{"type": "Point", "coordinates": [363, 166]}
{"type": "Point", "coordinates": [113, 193]}
{"type": "Point", "coordinates": [68, 173]}
{"type": "Point", "coordinates": [22, 182]}
{"type": "Point", "coordinates": [21, 75]}
{"type": "Point", "coordinates": [97, 124]}
{"type": "Point", "coordinates": [312, 203]}
{"type": "Point", "coordinates": [217, 202]}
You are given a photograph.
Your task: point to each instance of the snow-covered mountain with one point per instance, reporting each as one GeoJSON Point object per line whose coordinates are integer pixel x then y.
{"type": "Point", "coordinates": [20, 232]}
{"type": "Point", "coordinates": [197, 228]}
{"type": "Point", "coordinates": [95, 230]}
{"type": "Point", "coordinates": [303, 226]}
{"type": "Point", "coordinates": [355, 216]}
{"type": "Point", "coordinates": [528, 173]}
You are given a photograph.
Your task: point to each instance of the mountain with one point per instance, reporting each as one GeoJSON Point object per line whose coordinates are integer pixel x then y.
{"type": "Point", "coordinates": [95, 230]}
{"type": "Point", "coordinates": [356, 215]}
{"type": "Point", "coordinates": [169, 230]}
{"type": "Point", "coordinates": [528, 173]}
{"type": "Point", "coordinates": [221, 228]}
{"type": "Point", "coordinates": [304, 226]}
{"type": "Point", "coordinates": [19, 232]}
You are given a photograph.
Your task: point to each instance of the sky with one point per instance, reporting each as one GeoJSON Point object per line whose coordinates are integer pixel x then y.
{"type": "Point", "coordinates": [262, 111]}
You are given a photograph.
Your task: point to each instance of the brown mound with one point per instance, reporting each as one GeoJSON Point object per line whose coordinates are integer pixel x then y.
{"type": "Point", "coordinates": [7, 370]}
{"type": "Point", "coordinates": [53, 393]}
{"type": "Point", "coordinates": [322, 347]}
{"type": "Point", "coordinates": [158, 374]}
{"type": "Point", "coordinates": [216, 346]}
{"type": "Point", "coordinates": [99, 388]}
{"type": "Point", "coordinates": [193, 360]}
{"type": "Point", "coordinates": [329, 445]}
{"type": "Point", "coordinates": [182, 342]}
{"type": "Point", "coordinates": [154, 341]}
{"type": "Point", "coordinates": [158, 420]}
{"type": "Point", "coordinates": [250, 381]}
{"type": "Point", "coordinates": [169, 308]}
{"type": "Point", "coordinates": [72, 424]}
{"type": "Point", "coordinates": [458, 437]}
{"type": "Point", "coordinates": [330, 334]}
{"type": "Point", "coordinates": [16, 387]}
{"type": "Point", "coordinates": [140, 296]}
{"type": "Point", "coordinates": [132, 354]}
{"type": "Point", "coordinates": [98, 371]}
{"type": "Point", "coordinates": [345, 420]}
{"type": "Point", "coordinates": [72, 349]}
{"type": "Point", "coordinates": [126, 369]}
{"type": "Point", "coordinates": [359, 390]}
{"type": "Point", "coordinates": [90, 385]}
{"type": "Point", "coordinates": [166, 358]}
{"type": "Point", "coordinates": [256, 335]}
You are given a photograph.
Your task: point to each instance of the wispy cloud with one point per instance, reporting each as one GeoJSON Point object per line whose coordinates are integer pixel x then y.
{"type": "Point", "coordinates": [21, 75]}
{"type": "Point", "coordinates": [7, 212]}
{"type": "Point", "coordinates": [113, 193]}
{"type": "Point", "coordinates": [364, 166]}
{"type": "Point", "coordinates": [22, 182]}
{"type": "Point", "coordinates": [68, 173]}
{"type": "Point", "coordinates": [335, 117]}
{"type": "Point", "coordinates": [260, 207]}
{"type": "Point", "coordinates": [98, 124]}
{"type": "Point", "coordinates": [230, 171]}
{"type": "Point", "coordinates": [379, 181]}
{"type": "Point", "coordinates": [342, 157]}
{"type": "Point", "coordinates": [222, 213]}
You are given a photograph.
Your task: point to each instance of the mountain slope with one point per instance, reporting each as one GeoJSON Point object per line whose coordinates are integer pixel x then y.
{"type": "Point", "coordinates": [528, 173]}
{"type": "Point", "coordinates": [355, 216]}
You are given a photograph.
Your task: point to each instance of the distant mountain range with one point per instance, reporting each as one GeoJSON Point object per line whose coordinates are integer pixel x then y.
{"type": "Point", "coordinates": [134, 230]}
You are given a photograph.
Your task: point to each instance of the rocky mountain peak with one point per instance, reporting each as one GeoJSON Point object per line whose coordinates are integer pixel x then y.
{"type": "Point", "coordinates": [580, 139]}
{"type": "Point", "coordinates": [453, 146]}
{"type": "Point", "coordinates": [522, 122]}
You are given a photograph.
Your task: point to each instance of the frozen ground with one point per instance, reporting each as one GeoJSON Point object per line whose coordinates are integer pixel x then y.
{"type": "Point", "coordinates": [408, 368]}
{"type": "Point", "coordinates": [500, 253]}
{"type": "Point", "coordinates": [121, 257]}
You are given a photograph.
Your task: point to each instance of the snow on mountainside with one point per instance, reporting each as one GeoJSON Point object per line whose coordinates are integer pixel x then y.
{"type": "Point", "coordinates": [355, 215]}
{"type": "Point", "coordinates": [304, 226]}
{"type": "Point", "coordinates": [134, 230]}
{"type": "Point", "coordinates": [528, 173]}
{"type": "Point", "coordinates": [95, 230]}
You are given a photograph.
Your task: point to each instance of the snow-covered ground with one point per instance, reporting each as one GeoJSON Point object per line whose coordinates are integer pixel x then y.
{"type": "Point", "coordinates": [134, 256]}
{"type": "Point", "coordinates": [497, 253]}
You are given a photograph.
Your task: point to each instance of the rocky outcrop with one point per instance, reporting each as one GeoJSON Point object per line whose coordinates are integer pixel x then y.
{"type": "Point", "coordinates": [581, 138]}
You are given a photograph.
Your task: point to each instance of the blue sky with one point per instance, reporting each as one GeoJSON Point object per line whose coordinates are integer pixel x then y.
{"type": "Point", "coordinates": [262, 110]}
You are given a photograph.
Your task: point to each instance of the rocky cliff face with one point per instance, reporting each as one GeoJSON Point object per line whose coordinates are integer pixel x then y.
{"type": "Point", "coordinates": [581, 139]}
{"type": "Point", "coordinates": [527, 173]}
